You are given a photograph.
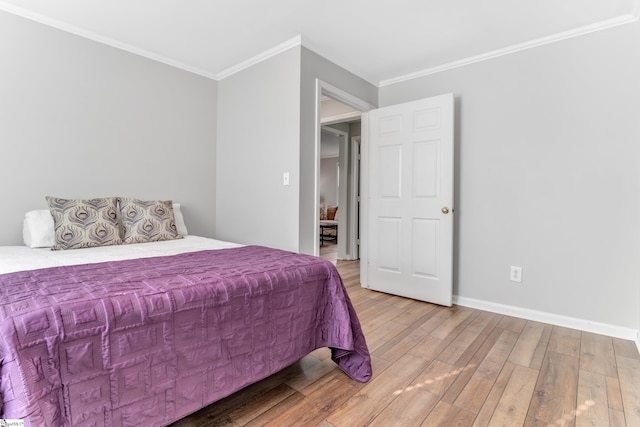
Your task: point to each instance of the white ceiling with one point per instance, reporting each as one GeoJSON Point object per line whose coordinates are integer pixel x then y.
{"type": "Point", "coordinates": [382, 41]}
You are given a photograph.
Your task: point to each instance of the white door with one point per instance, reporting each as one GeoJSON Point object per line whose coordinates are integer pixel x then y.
{"type": "Point", "coordinates": [409, 216]}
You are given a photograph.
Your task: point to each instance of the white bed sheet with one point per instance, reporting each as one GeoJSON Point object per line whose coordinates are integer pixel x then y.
{"type": "Point", "coordinates": [21, 258]}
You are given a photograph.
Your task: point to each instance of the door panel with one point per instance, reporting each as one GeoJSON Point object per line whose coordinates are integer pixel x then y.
{"type": "Point", "coordinates": [390, 231]}
{"type": "Point", "coordinates": [410, 237]}
{"type": "Point", "coordinates": [426, 156]}
{"type": "Point", "coordinates": [425, 248]}
{"type": "Point", "coordinates": [389, 179]}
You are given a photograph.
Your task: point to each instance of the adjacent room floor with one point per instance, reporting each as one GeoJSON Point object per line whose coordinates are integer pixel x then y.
{"type": "Point", "coordinates": [329, 250]}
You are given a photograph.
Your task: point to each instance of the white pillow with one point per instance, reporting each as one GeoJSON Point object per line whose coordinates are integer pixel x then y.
{"type": "Point", "coordinates": [181, 227]}
{"type": "Point", "coordinates": [37, 229]}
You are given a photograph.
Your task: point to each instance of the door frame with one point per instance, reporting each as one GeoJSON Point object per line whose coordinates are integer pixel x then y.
{"type": "Point", "coordinates": [364, 201]}
{"type": "Point", "coordinates": [343, 194]}
{"type": "Point", "coordinates": [326, 89]}
{"type": "Point", "coordinates": [353, 247]}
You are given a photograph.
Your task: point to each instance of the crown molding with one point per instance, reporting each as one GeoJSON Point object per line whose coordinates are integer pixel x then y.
{"type": "Point", "coordinates": [45, 20]}
{"type": "Point", "coordinates": [298, 41]}
{"type": "Point", "coordinates": [598, 26]}
{"type": "Point", "coordinates": [63, 26]}
{"type": "Point", "coordinates": [292, 42]}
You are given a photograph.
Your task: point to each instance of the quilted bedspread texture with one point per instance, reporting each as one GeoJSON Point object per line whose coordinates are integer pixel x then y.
{"type": "Point", "coordinates": [145, 342]}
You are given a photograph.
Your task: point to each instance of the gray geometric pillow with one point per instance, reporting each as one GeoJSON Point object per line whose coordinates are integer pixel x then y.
{"type": "Point", "coordinates": [84, 223]}
{"type": "Point", "coordinates": [147, 221]}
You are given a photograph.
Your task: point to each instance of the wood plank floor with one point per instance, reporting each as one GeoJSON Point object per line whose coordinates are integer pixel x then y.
{"type": "Point", "coordinates": [439, 366]}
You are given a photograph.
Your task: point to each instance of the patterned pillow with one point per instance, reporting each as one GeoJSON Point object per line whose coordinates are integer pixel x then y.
{"type": "Point", "coordinates": [147, 221]}
{"type": "Point", "coordinates": [331, 212]}
{"type": "Point", "coordinates": [84, 223]}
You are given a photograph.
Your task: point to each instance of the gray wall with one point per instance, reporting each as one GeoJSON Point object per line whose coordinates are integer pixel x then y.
{"type": "Point", "coordinates": [315, 67]}
{"type": "Point", "coordinates": [329, 181]}
{"type": "Point", "coordinates": [548, 175]}
{"type": "Point", "coordinates": [258, 140]}
{"type": "Point", "coordinates": [80, 119]}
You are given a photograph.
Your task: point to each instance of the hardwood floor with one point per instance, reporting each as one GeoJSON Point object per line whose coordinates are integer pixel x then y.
{"type": "Point", "coordinates": [440, 366]}
{"type": "Point", "coordinates": [329, 251]}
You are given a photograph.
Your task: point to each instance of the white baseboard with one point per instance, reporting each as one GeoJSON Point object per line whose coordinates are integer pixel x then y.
{"type": "Point", "coordinates": [553, 319]}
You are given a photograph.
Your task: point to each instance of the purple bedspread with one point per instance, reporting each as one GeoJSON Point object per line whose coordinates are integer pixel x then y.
{"type": "Point", "coordinates": [145, 342]}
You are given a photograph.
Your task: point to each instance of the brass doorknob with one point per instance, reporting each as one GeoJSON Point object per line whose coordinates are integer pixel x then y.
{"type": "Point", "coordinates": [445, 210]}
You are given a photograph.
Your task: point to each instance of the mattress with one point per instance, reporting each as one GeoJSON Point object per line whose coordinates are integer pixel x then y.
{"type": "Point", "coordinates": [18, 258]}
{"type": "Point", "coordinates": [95, 337]}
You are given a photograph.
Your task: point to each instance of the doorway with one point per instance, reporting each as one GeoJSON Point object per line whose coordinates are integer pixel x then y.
{"type": "Point", "coordinates": [339, 115]}
{"type": "Point", "coordinates": [335, 189]}
{"type": "Point", "coordinates": [415, 238]}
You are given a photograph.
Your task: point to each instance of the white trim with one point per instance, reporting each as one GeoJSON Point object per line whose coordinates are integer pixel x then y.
{"type": "Point", "coordinates": [553, 319]}
{"type": "Point", "coordinates": [297, 41]}
{"type": "Point", "coordinates": [343, 191]}
{"type": "Point", "coordinates": [364, 200]}
{"type": "Point", "coordinates": [344, 97]}
{"type": "Point", "coordinates": [42, 19]}
{"type": "Point", "coordinates": [598, 26]}
{"type": "Point", "coordinates": [316, 169]}
{"type": "Point", "coordinates": [24, 13]}
{"type": "Point", "coordinates": [338, 118]}
{"type": "Point", "coordinates": [334, 131]}
{"type": "Point", "coordinates": [269, 53]}
{"type": "Point", "coordinates": [354, 182]}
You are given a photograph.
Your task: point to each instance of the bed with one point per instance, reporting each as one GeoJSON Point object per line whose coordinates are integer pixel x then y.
{"type": "Point", "coordinates": [145, 334]}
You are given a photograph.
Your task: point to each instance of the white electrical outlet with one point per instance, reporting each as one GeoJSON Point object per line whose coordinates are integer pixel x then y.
{"type": "Point", "coordinates": [516, 274]}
